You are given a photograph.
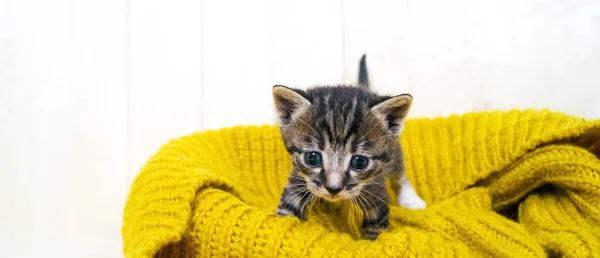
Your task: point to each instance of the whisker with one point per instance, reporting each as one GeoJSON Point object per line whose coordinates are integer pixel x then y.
{"type": "Point", "coordinates": [371, 183]}
{"type": "Point", "coordinates": [294, 184]}
{"type": "Point", "coordinates": [359, 204]}
{"type": "Point", "coordinates": [297, 192]}
{"type": "Point", "coordinates": [371, 202]}
{"type": "Point", "coordinates": [364, 209]}
{"type": "Point", "coordinates": [367, 201]}
{"type": "Point", "coordinates": [298, 202]}
{"type": "Point", "coordinates": [302, 209]}
{"type": "Point", "coordinates": [299, 188]}
{"type": "Point", "coordinates": [354, 208]}
{"type": "Point", "coordinates": [296, 177]}
{"type": "Point", "coordinates": [314, 199]}
{"type": "Point", "coordinates": [366, 191]}
{"type": "Point", "coordinates": [346, 205]}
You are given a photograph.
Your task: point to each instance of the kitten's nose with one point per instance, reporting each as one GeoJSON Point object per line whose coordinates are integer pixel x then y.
{"type": "Point", "coordinates": [333, 190]}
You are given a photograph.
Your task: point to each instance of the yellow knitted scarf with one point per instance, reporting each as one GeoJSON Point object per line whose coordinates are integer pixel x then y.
{"type": "Point", "coordinates": [497, 184]}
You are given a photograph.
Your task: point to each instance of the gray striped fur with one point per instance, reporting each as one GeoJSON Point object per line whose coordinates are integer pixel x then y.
{"type": "Point", "coordinates": [339, 122]}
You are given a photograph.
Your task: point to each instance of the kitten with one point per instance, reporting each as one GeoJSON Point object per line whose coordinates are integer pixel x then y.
{"type": "Point", "coordinates": [344, 144]}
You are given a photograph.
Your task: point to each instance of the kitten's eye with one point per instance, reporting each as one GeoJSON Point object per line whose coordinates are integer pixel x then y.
{"type": "Point", "coordinates": [312, 158]}
{"type": "Point", "coordinates": [358, 162]}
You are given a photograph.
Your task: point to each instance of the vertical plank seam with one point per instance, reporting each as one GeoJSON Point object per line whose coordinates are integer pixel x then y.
{"type": "Point", "coordinates": [343, 27]}
{"type": "Point", "coordinates": [128, 124]}
{"type": "Point", "coordinates": [202, 95]}
{"type": "Point", "coordinates": [274, 57]}
{"type": "Point", "coordinates": [409, 73]}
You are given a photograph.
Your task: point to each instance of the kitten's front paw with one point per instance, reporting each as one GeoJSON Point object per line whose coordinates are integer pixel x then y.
{"type": "Point", "coordinates": [284, 213]}
{"type": "Point", "coordinates": [370, 235]}
{"type": "Point", "coordinates": [371, 232]}
{"type": "Point", "coordinates": [413, 203]}
{"type": "Point", "coordinates": [408, 197]}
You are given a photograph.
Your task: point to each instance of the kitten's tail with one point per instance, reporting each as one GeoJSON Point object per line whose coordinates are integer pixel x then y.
{"type": "Point", "coordinates": [363, 76]}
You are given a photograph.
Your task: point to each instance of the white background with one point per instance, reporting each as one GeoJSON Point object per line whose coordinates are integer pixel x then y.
{"type": "Point", "coordinates": [89, 89]}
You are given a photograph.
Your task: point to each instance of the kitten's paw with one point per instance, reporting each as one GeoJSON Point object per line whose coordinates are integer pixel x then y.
{"type": "Point", "coordinates": [284, 213]}
{"type": "Point", "coordinates": [370, 236]}
{"type": "Point", "coordinates": [372, 232]}
{"type": "Point", "coordinates": [416, 203]}
{"type": "Point", "coordinates": [408, 197]}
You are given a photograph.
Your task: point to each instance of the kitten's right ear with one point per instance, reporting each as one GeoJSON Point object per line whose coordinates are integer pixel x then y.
{"type": "Point", "coordinates": [289, 103]}
{"type": "Point", "coordinates": [394, 110]}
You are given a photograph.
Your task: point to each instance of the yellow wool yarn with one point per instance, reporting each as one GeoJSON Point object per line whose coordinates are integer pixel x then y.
{"type": "Point", "coordinates": [214, 194]}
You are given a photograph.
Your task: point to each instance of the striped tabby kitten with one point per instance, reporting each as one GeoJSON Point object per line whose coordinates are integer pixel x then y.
{"type": "Point", "coordinates": [344, 144]}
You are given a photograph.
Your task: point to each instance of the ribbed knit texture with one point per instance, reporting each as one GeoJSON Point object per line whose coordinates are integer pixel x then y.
{"type": "Point", "coordinates": [214, 194]}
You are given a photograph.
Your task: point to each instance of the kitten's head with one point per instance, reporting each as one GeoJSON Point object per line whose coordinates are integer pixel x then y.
{"type": "Point", "coordinates": [341, 138]}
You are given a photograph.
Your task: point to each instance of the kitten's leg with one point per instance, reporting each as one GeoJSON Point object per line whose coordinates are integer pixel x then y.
{"type": "Point", "coordinates": [407, 196]}
{"type": "Point", "coordinates": [294, 198]}
{"type": "Point", "coordinates": [374, 201]}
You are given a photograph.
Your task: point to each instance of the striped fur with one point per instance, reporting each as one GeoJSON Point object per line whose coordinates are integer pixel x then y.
{"type": "Point", "coordinates": [341, 123]}
{"type": "Point", "coordinates": [363, 75]}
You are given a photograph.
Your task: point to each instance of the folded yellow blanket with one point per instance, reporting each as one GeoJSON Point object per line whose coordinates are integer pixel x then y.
{"type": "Point", "coordinates": [497, 184]}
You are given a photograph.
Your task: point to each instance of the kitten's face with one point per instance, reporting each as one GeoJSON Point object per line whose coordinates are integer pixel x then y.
{"type": "Point", "coordinates": [340, 138]}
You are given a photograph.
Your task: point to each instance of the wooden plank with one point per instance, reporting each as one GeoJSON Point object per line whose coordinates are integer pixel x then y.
{"type": "Point", "coordinates": [238, 63]}
{"type": "Point", "coordinates": [379, 29]}
{"type": "Point", "coordinates": [473, 55]}
{"type": "Point", "coordinates": [539, 54]}
{"type": "Point", "coordinates": [165, 75]}
{"type": "Point", "coordinates": [63, 127]}
{"type": "Point", "coordinates": [443, 76]}
{"type": "Point", "coordinates": [308, 43]}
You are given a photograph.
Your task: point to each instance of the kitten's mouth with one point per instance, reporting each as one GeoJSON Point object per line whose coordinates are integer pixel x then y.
{"type": "Point", "coordinates": [347, 194]}
{"type": "Point", "coordinates": [327, 196]}
{"type": "Point", "coordinates": [335, 198]}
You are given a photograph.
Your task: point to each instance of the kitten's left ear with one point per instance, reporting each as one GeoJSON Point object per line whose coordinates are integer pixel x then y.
{"type": "Point", "coordinates": [394, 110]}
{"type": "Point", "coordinates": [289, 103]}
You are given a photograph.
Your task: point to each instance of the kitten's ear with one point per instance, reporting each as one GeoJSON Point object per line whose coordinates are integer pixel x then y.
{"type": "Point", "coordinates": [288, 102]}
{"type": "Point", "coordinates": [394, 110]}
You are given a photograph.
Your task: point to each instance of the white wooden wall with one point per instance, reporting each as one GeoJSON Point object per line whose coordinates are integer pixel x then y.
{"type": "Point", "coordinates": [89, 89]}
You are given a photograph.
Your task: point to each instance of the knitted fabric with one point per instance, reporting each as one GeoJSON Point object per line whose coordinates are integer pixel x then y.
{"type": "Point", "coordinates": [497, 184]}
